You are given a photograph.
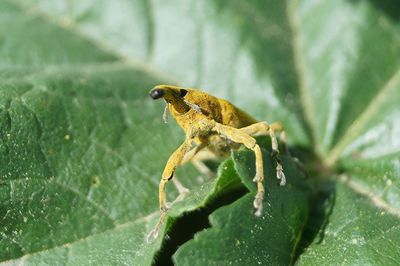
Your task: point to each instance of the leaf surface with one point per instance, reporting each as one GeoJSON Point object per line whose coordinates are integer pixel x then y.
{"type": "Point", "coordinates": [237, 236]}
{"type": "Point", "coordinates": [82, 146]}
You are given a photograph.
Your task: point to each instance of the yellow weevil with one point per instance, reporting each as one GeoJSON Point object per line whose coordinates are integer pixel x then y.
{"type": "Point", "coordinates": [217, 126]}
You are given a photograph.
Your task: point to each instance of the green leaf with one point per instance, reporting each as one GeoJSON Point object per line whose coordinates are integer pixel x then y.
{"type": "Point", "coordinates": [67, 171]}
{"type": "Point", "coordinates": [237, 236]}
{"type": "Point", "coordinates": [82, 146]}
{"type": "Point", "coordinates": [358, 232]}
{"type": "Point", "coordinates": [73, 185]}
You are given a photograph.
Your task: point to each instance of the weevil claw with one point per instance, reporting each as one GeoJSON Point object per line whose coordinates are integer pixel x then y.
{"type": "Point", "coordinates": [152, 235]}
{"type": "Point", "coordinates": [282, 178]}
{"type": "Point", "coordinates": [258, 204]}
{"type": "Point", "coordinates": [280, 175]}
{"type": "Point", "coordinates": [258, 208]}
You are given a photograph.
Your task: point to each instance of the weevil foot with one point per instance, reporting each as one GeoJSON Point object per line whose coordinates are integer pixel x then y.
{"type": "Point", "coordinates": [258, 204]}
{"type": "Point", "coordinates": [152, 236]}
{"type": "Point", "coordinates": [279, 169]}
{"type": "Point", "coordinates": [280, 175]}
{"type": "Point", "coordinates": [258, 200]}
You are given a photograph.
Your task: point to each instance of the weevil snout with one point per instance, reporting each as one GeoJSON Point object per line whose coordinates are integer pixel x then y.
{"type": "Point", "coordinates": [175, 96]}
{"type": "Point", "coordinates": [156, 94]}
{"type": "Point", "coordinates": [168, 92]}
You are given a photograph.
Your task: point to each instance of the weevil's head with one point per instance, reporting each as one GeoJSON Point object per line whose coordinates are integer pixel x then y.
{"type": "Point", "coordinates": [168, 92]}
{"type": "Point", "coordinates": [173, 95]}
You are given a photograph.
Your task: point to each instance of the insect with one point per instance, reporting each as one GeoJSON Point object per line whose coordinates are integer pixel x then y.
{"type": "Point", "coordinates": [217, 126]}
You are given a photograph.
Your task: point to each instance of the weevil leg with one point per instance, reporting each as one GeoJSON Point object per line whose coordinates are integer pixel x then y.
{"type": "Point", "coordinates": [174, 160]}
{"type": "Point", "coordinates": [197, 155]}
{"type": "Point", "coordinates": [238, 136]}
{"type": "Point", "coordinates": [192, 153]}
{"type": "Point", "coordinates": [188, 157]}
{"type": "Point", "coordinates": [181, 189]}
{"type": "Point", "coordinates": [154, 233]}
{"type": "Point", "coordinates": [198, 162]}
{"type": "Point", "coordinates": [278, 127]}
{"type": "Point", "coordinates": [263, 128]}
{"type": "Point", "coordinates": [275, 153]}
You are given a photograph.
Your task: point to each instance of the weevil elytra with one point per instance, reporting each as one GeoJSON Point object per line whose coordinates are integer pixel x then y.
{"type": "Point", "coordinates": [217, 126]}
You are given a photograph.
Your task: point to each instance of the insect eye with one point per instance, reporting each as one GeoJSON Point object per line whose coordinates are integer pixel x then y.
{"type": "Point", "coordinates": [156, 94]}
{"type": "Point", "coordinates": [182, 93]}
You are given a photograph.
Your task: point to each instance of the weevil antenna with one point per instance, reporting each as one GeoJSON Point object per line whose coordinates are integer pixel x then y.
{"type": "Point", "coordinates": [165, 114]}
{"type": "Point", "coordinates": [193, 106]}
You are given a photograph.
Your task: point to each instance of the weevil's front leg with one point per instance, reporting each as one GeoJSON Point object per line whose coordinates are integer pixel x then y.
{"type": "Point", "coordinates": [187, 158]}
{"type": "Point", "coordinates": [174, 160]}
{"type": "Point", "coordinates": [263, 128]}
{"type": "Point", "coordinates": [238, 136]}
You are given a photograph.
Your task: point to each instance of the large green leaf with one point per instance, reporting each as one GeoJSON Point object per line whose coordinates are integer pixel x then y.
{"type": "Point", "coordinates": [240, 238]}
{"type": "Point", "coordinates": [358, 233]}
{"type": "Point", "coordinates": [82, 146]}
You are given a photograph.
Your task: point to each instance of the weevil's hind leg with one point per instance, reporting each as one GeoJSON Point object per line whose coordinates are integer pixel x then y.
{"type": "Point", "coordinates": [263, 128]}
{"type": "Point", "coordinates": [277, 127]}
{"type": "Point", "coordinates": [238, 136]}
{"type": "Point", "coordinates": [275, 153]}
{"type": "Point", "coordinates": [284, 141]}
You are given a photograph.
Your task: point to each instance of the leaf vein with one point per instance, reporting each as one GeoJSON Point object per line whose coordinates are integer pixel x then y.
{"type": "Point", "coordinates": [359, 123]}
{"type": "Point", "coordinates": [73, 28]}
{"type": "Point", "coordinates": [375, 200]}
{"type": "Point", "coordinates": [304, 90]}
